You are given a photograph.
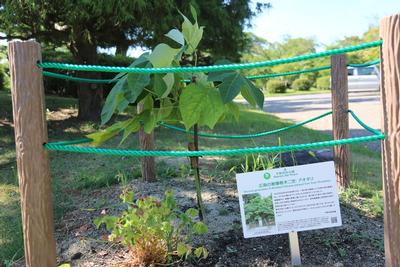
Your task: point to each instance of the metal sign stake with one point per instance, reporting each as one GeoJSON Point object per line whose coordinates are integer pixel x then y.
{"type": "Point", "coordinates": [294, 249]}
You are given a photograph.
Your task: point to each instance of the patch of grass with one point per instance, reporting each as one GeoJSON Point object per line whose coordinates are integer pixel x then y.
{"type": "Point", "coordinates": [11, 242]}
{"type": "Point", "coordinates": [78, 173]}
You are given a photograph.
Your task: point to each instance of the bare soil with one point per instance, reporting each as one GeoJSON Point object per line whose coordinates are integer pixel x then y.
{"type": "Point", "coordinates": [359, 242]}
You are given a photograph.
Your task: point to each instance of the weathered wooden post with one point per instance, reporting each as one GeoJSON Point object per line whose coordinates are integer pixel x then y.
{"type": "Point", "coordinates": [146, 142]}
{"type": "Point", "coordinates": [32, 159]}
{"type": "Point", "coordinates": [390, 95]}
{"type": "Point", "coordinates": [340, 118]}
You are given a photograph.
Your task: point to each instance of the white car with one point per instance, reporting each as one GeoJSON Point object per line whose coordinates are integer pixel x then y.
{"type": "Point", "coordinates": [363, 78]}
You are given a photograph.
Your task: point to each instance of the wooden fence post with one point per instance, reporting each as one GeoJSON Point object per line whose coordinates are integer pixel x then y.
{"type": "Point", "coordinates": [146, 142]}
{"type": "Point", "coordinates": [390, 95]}
{"type": "Point", "coordinates": [340, 118]}
{"type": "Point", "coordinates": [32, 160]}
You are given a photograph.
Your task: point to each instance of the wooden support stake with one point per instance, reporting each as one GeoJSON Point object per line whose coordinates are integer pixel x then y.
{"type": "Point", "coordinates": [294, 249]}
{"type": "Point", "coordinates": [390, 95]}
{"type": "Point", "coordinates": [340, 118]}
{"type": "Point", "coordinates": [32, 160]}
{"type": "Point", "coordinates": [146, 141]}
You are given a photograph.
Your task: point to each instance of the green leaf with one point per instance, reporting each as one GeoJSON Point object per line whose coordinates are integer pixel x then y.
{"type": "Point", "coordinates": [182, 249]}
{"type": "Point", "coordinates": [233, 109]}
{"type": "Point", "coordinates": [149, 118]}
{"type": "Point", "coordinates": [147, 102]}
{"type": "Point", "coordinates": [165, 109]}
{"type": "Point", "coordinates": [136, 83]}
{"type": "Point", "coordinates": [252, 94]}
{"type": "Point", "coordinates": [198, 251]}
{"type": "Point", "coordinates": [230, 86]}
{"type": "Point", "coordinates": [97, 222]}
{"type": "Point", "coordinates": [169, 81]}
{"type": "Point", "coordinates": [114, 100]}
{"type": "Point", "coordinates": [132, 127]}
{"type": "Point", "coordinates": [102, 136]}
{"type": "Point", "coordinates": [177, 36]}
{"type": "Point", "coordinates": [205, 253]}
{"type": "Point", "coordinates": [200, 104]}
{"type": "Point", "coordinates": [200, 228]}
{"type": "Point", "coordinates": [194, 12]}
{"type": "Point", "coordinates": [150, 123]}
{"type": "Point", "coordinates": [127, 197]}
{"type": "Point", "coordinates": [141, 60]}
{"type": "Point", "coordinates": [163, 55]}
{"type": "Point", "coordinates": [214, 108]}
{"type": "Point", "coordinates": [192, 33]}
{"type": "Point", "coordinates": [218, 76]}
{"type": "Point", "coordinates": [159, 86]}
{"type": "Point", "coordinates": [192, 212]}
{"type": "Point", "coordinates": [109, 222]}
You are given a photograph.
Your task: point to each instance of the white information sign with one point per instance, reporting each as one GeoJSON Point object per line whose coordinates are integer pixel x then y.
{"type": "Point", "coordinates": [288, 199]}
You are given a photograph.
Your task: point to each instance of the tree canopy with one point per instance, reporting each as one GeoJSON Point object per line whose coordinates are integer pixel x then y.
{"type": "Point", "coordinates": [84, 25]}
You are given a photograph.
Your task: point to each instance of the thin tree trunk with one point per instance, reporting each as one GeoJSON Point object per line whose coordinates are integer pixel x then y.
{"type": "Point", "coordinates": [194, 162]}
{"type": "Point", "coordinates": [146, 142]}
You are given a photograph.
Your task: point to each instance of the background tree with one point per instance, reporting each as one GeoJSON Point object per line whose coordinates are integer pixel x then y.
{"type": "Point", "coordinates": [83, 26]}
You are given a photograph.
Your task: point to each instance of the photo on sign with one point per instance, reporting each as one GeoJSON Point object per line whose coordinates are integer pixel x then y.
{"type": "Point", "coordinates": [258, 210]}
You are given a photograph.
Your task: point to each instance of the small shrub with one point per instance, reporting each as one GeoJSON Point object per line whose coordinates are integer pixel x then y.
{"type": "Point", "coordinates": [276, 86]}
{"type": "Point", "coordinates": [324, 83]}
{"type": "Point", "coordinates": [155, 232]}
{"type": "Point", "coordinates": [301, 84]}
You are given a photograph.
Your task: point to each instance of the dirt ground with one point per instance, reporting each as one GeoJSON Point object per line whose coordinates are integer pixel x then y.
{"type": "Point", "coordinates": [359, 242]}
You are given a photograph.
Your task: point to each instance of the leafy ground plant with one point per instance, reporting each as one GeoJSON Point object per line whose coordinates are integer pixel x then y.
{"type": "Point", "coordinates": [155, 231]}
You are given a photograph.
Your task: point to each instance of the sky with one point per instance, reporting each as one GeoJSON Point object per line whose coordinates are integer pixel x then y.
{"type": "Point", "coordinates": [324, 20]}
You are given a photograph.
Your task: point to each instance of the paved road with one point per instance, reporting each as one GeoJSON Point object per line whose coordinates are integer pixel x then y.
{"type": "Point", "coordinates": [299, 108]}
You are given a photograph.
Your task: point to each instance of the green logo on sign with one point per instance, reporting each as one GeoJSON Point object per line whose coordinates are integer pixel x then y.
{"type": "Point", "coordinates": [267, 175]}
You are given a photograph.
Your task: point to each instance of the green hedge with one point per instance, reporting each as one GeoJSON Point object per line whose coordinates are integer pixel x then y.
{"type": "Point", "coordinates": [4, 77]}
{"type": "Point", "coordinates": [324, 83]}
{"type": "Point", "coordinates": [301, 84]}
{"type": "Point", "coordinates": [69, 88]}
{"type": "Point", "coordinates": [276, 86]}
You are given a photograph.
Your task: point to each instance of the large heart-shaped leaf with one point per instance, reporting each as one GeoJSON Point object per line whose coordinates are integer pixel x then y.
{"type": "Point", "coordinates": [230, 86]}
{"type": "Point", "coordinates": [200, 104]}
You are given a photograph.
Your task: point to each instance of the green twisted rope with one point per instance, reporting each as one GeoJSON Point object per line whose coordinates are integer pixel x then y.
{"type": "Point", "coordinates": [252, 77]}
{"type": "Point", "coordinates": [227, 67]}
{"type": "Point", "coordinates": [280, 74]}
{"type": "Point", "coordinates": [366, 64]}
{"type": "Point", "coordinates": [77, 79]}
{"type": "Point", "coordinates": [67, 146]}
